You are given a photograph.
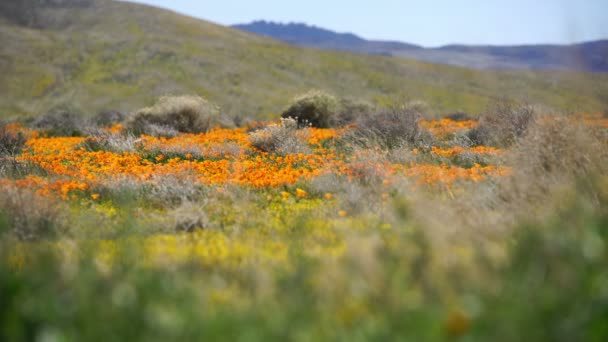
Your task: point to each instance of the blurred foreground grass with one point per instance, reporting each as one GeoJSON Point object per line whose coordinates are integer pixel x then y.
{"type": "Point", "coordinates": [549, 282]}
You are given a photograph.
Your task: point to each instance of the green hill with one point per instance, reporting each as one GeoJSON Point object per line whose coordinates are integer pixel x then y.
{"type": "Point", "coordinates": [100, 54]}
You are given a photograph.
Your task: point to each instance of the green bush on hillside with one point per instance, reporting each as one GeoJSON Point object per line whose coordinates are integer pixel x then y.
{"type": "Point", "coordinates": [316, 107]}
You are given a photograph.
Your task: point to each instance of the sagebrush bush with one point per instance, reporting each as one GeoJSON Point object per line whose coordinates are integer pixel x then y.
{"type": "Point", "coordinates": [108, 118]}
{"type": "Point", "coordinates": [284, 138]}
{"type": "Point", "coordinates": [504, 122]}
{"type": "Point", "coordinates": [11, 143]}
{"type": "Point", "coordinates": [350, 112]}
{"type": "Point", "coordinates": [172, 114]}
{"type": "Point", "coordinates": [391, 127]}
{"type": "Point", "coordinates": [116, 143]}
{"type": "Point", "coordinates": [458, 116]}
{"type": "Point", "coordinates": [61, 121]}
{"type": "Point", "coordinates": [317, 108]}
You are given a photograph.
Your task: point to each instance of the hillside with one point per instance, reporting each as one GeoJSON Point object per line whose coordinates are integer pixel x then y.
{"type": "Point", "coordinates": [99, 54]}
{"type": "Point", "coordinates": [590, 56]}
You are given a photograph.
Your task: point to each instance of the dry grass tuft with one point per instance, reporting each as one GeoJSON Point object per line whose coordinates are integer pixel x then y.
{"type": "Point", "coordinates": [391, 128]}
{"type": "Point", "coordinates": [30, 216]}
{"type": "Point", "coordinates": [554, 149]}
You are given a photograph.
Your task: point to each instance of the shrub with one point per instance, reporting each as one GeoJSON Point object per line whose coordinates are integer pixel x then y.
{"type": "Point", "coordinates": [11, 142]}
{"type": "Point", "coordinates": [11, 167]}
{"type": "Point", "coordinates": [556, 145]}
{"type": "Point", "coordinates": [110, 142]}
{"type": "Point", "coordinates": [21, 12]}
{"type": "Point", "coordinates": [189, 217]}
{"type": "Point", "coordinates": [553, 154]}
{"type": "Point", "coordinates": [503, 124]}
{"type": "Point", "coordinates": [61, 121]}
{"type": "Point", "coordinates": [172, 114]}
{"type": "Point", "coordinates": [29, 216]}
{"type": "Point", "coordinates": [315, 107]}
{"type": "Point", "coordinates": [108, 118]}
{"type": "Point", "coordinates": [350, 112]}
{"type": "Point", "coordinates": [284, 138]}
{"type": "Point", "coordinates": [392, 127]}
{"type": "Point", "coordinates": [458, 116]}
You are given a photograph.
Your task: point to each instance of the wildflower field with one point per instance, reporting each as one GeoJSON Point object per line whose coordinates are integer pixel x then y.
{"type": "Point", "coordinates": [286, 231]}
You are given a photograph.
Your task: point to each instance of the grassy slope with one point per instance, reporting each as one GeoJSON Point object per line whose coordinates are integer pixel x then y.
{"type": "Point", "coordinates": [121, 56]}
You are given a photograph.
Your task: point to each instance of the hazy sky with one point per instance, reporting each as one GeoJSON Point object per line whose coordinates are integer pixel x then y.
{"type": "Point", "coordinates": [428, 23]}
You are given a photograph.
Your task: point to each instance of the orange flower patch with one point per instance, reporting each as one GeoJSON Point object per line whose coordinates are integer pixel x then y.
{"type": "Point", "coordinates": [318, 135]}
{"type": "Point", "coordinates": [16, 128]}
{"type": "Point", "coordinates": [448, 174]}
{"type": "Point", "coordinates": [446, 127]}
{"type": "Point", "coordinates": [64, 188]}
{"type": "Point", "coordinates": [456, 150]}
{"type": "Point", "coordinates": [225, 156]}
{"type": "Point", "coordinates": [592, 119]}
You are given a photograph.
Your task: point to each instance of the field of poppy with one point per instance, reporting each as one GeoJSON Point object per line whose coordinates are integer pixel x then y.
{"type": "Point", "coordinates": [224, 157]}
{"type": "Point", "coordinates": [205, 235]}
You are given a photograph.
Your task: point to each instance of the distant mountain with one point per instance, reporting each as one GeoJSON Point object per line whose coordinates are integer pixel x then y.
{"type": "Point", "coordinates": [312, 36]}
{"type": "Point", "coordinates": [590, 56]}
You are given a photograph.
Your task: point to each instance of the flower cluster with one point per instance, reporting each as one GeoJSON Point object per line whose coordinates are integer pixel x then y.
{"type": "Point", "coordinates": [456, 150]}
{"type": "Point", "coordinates": [593, 119]}
{"type": "Point", "coordinates": [445, 127]}
{"type": "Point", "coordinates": [65, 188]}
{"type": "Point", "coordinates": [16, 128]}
{"type": "Point", "coordinates": [448, 174]}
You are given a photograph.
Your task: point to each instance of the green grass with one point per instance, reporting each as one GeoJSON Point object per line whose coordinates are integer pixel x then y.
{"type": "Point", "coordinates": [122, 56]}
